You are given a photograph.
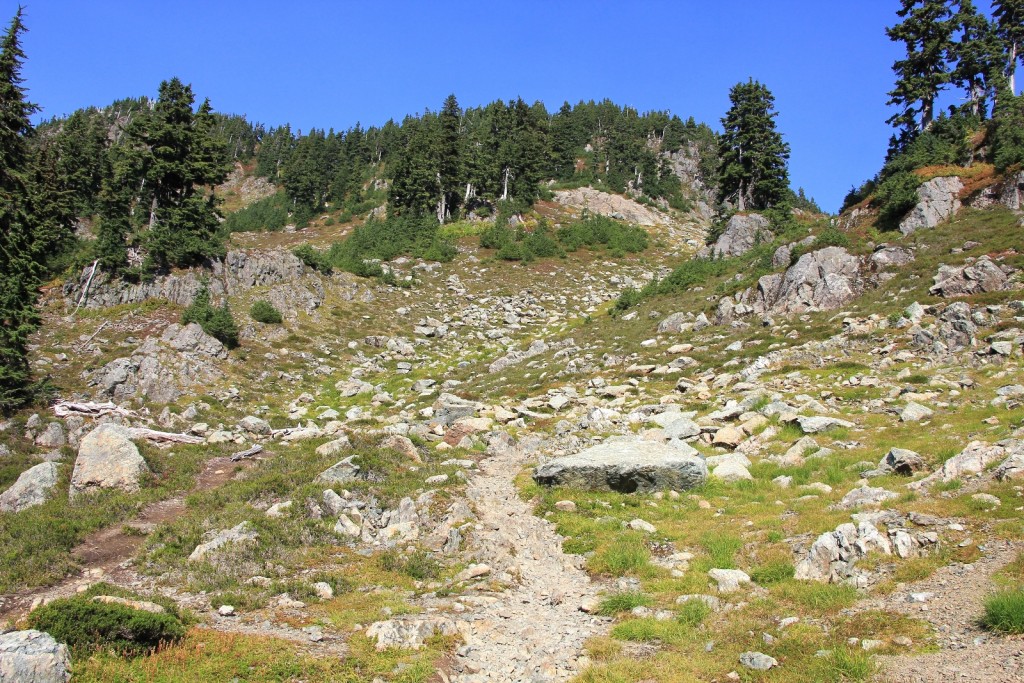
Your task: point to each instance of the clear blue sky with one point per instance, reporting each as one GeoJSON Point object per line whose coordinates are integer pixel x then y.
{"type": "Point", "coordinates": [331, 64]}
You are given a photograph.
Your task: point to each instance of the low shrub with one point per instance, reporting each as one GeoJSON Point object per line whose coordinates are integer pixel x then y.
{"type": "Point", "coordinates": [267, 214]}
{"type": "Point", "coordinates": [87, 626]}
{"type": "Point", "coordinates": [773, 572]}
{"type": "Point", "coordinates": [263, 311]}
{"type": "Point", "coordinates": [313, 257]}
{"type": "Point", "coordinates": [216, 321]}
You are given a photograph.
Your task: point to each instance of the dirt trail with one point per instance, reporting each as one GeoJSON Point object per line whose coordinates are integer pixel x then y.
{"type": "Point", "coordinates": [968, 652]}
{"type": "Point", "coordinates": [535, 630]}
{"type": "Point", "coordinates": [105, 554]}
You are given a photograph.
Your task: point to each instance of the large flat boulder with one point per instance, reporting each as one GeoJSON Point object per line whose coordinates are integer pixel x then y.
{"type": "Point", "coordinates": [971, 278]}
{"type": "Point", "coordinates": [107, 459]}
{"type": "Point", "coordinates": [33, 657]}
{"type": "Point", "coordinates": [625, 464]}
{"type": "Point", "coordinates": [31, 488]}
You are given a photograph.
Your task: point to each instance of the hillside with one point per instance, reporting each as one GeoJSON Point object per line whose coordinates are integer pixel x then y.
{"type": "Point", "coordinates": [385, 522]}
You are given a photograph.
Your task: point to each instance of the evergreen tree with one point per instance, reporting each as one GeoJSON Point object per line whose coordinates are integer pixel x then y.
{"type": "Point", "coordinates": [449, 162]}
{"type": "Point", "coordinates": [19, 270]}
{"type": "Point", "coordinates": [927, 32]}
{"type": "Point", "coordinates": [753, 154]}
{"type": "Point", "coordinates": [1009, 19]}
{"type": "Point", "coordinates": [978, 56]}
{"type": "Point", "coordinates": [180, 159]}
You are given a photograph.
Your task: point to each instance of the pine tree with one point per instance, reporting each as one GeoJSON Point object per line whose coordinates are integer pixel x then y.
{"type": "Point", "coordinates": [1009, 19]}
{"type": "Point", "coordinates": [753, 154]}
{"type": "Point", "coordinates": [927, 32]}
{"type": "Point", "coordinates": [19, 270]}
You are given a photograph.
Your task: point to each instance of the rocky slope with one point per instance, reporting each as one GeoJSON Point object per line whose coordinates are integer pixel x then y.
{"type": "Point", "coordinates": [755, 473]}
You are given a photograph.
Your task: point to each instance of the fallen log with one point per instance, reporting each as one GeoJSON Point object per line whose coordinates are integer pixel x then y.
{"type": "Point", "coordinates": [247, 453]}
{"type": "Point", "coordinates": [154, 435]}
{"type": "Point", "coordinates": [90, 409]}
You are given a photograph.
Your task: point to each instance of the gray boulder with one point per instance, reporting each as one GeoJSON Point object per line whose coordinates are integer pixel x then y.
{"type": "Point", "coordinates": [1012, 196]}
{"type": "Point", "coordinates": [937, 200]}
{"type": "Point", "coordinates": [241, 533]}
{"type": "Point", "coordinates": [52, 436]}
{"type": "Point", "coordinates": [821, 423]}
{"type": "Point", "coordinates": [865, 496]}
{"type": "Point", "coordinates": [973, 459]}
{"type": "Point", "coordinates": [973, 278]}
{"type": "Point", "coordinates": [821, 280]}
{"type": "Point", "coordinates": [107, 459]}
{"type": "Point", "coordinates": [758, 661]}
{"type": "Point", "coordinates": [898, 461]}
{"type": "Point", "coordinates": [31, 488]}
{"type": "Point", "coordinates": [674, 323]}
{"type": "Point", "coordinates": [742, 233]}
{"type": "Point", "coordinates": [33, 657]}
{"type": "Point", "coordinates": [191, 339]}
{"type": "Point", "coordinates": [890, 257]}
{"type": "Point", "coordinates": [340, 473]}
{"type": "Point", "coordinates": [255, 425]}
{"type": "Point", "coordinates": [625, 464]}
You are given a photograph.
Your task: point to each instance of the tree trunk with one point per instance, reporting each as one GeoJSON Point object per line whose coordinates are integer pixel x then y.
{"type": "Point", "coordinates": [442, 203]}
{"type": "Point", "coordinates": [469, 192]}
{"type": "Point", "coordinates": [927, 112]}
{"type": "Point", "coordinates": [152, 213]}
{"type": "Point", "coordinates": [1012, 68]}
{"type": "Point", "coordinates": [741, 201]}
{"type": "Point", "coordinates": [504, 184]}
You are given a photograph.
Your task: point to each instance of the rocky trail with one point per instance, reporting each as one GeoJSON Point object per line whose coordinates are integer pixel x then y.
{"type": "Point", "coordinates": [952, 601]}
{"type": "Point", "coordinates": [536, 629]}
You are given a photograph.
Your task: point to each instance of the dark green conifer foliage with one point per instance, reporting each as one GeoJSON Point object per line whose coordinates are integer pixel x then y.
{"type": "Point", "coordinates": [19, 270]}
{"type": "Point", "coordinates": [979, 57]}
{"type": "Point", "coordinates": [753, 171]}
{"type": "Point", "coordinates": [927, 32]}
{"type": "Point", "coordinates": [1009, 20]}
{"type": "Point", "coordinates": [1008, 135]}
{"type": "Point", "coordinates": [180, 159]}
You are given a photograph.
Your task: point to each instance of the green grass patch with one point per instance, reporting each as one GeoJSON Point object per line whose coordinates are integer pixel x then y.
{"type": "Point", "coordinates": [623, 602]}
{"type": "Point", "coordinates": [1004, 611]}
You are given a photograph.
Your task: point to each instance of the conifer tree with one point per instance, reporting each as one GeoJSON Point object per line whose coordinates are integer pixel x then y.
{"type": "Point", "coordinates": [19, 270]}
{"type": "Point", "coordinates": [978, 56]}
{"type": "Point", "coordinates": [752, 153]}
{"type": "Point", "coordinates": [1009, 19]}
{"type": "Point", "coordinates": [449, 162]}
{"type": "Point", "coordinates": [927, 32]}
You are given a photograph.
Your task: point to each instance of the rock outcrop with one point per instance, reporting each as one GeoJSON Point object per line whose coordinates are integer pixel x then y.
{"type": "Point", "coordinates": [163, 369]}
{"type": "Point", "coordinates": [107, 459]}
{"type": "Point", "coordinates": [742, 233]}
{"type": "Point", "coordinates": [983, 275]}
{"type": "Point", "coordinates": [625, 464]}
{"type": "Point", "coordinates": [33, 657]}
{"type": "Point", "coordinates": [937, 200]}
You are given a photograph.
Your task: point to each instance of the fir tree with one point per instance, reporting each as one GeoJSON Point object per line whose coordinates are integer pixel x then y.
{"type": "Point", "coordinates": [927, 32]}
{"type": "Point", "coordinates": [753, 155]}
{"type": "Point", "coordinates": [449, 162]}
{"type": "Point", "coordinates": [979, 57]}
{"type": "Point", "coordinates": [1009, 19]}
{"type": "Point", "coordinates": [19, 270]}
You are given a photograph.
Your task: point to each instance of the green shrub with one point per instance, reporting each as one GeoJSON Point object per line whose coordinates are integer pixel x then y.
{"type": "Point", "coordinates": [419, 565]}
{"type": "Point", "coordinates": [1008, 132]}
{"type": "Point", "coordinates": [1004, 611]}
{"type": "Point", "coordinates": [622, 556]}
{"type": "Point", "coordinates": [600, 231]}
{"type": "Point", "coordinates": [86, 626]}
{"type": "Point", "coordinates": [894, 197]}
{"type": "Point", "coordinates": [263, 311]}
{"type": "Point", "coordinates": [267, 214]}
{"type": "Point", "coordinates": [215, 321]}
{"type": "Point", "coordinates": [313, 257]}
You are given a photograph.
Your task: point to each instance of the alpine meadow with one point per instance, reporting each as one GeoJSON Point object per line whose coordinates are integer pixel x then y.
{"type": "Point", "coordinates": [512, 390]}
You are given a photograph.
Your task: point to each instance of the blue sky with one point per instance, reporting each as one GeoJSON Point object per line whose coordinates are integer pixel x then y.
{"type": "Point", "coordinates": [331, 64]}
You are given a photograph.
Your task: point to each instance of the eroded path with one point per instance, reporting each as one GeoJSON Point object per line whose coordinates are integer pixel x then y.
{"type": "Point", "coordinates": [954, 607]}
{"type": "Point", "coordinates": [535, 631]}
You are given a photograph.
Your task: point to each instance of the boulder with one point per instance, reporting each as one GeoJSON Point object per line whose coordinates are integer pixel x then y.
{"type": "Point", "coordinates": [758, 661]}
{"type": "Point", "coordinates": [915, 412]}
{"type": "Point", "coordinates": [191, 338]}
{"type": "Point", "coordinates": [865, 496]}
{"type": "Point", "coordinates": [33, 657]}
{"type": "Point", "coordinates": [729, 580]}
{"type": "Point", "coordinates": [1012, 195]}
{"type": "Point", "coordinates": [31, 488]}
{"type": "Point", "coordinates": [625, 464]}
{"type": "Point", "coordinates": [673, 323]}
{"type": "Point", "coordinates": [403, 445]}
{"type": "Point", "coordinates": [340, 473]}
{"type": "Point", "coordinates": [409, 634]}
{"type": "Point", "coordinates": [886, 256]}
{"type": "Point", "coordinates": [983, 275]}
{"type": "Point", "coordinates": [731, 470]}
{"type": "Point", "coordinates": [242, 533]}
{"type": "Point", "coordinates": [937, 200]}
{"type": "Point", "coordinates": [973, 459]}
{"type": "Point", "coordinates": [52, 436]}
{"type": "Point", "coordinates": [107, 459]}
{"type": "Point", "coordinates": [821, 280]}
{"type": "Point", "coordinates": [898, 461]}
{"type": "Point", "coordinates": [1013, 466]}
{"type": "Point", "coordinates": [255, 425]}
{"type": "Point", "coordinates": [821, 423]}
{"type": "Point", "coordinates": [742, 233]}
